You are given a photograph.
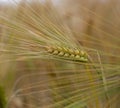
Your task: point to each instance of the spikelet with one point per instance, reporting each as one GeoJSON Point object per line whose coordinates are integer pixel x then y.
{"type": "Point", "coordinates": [68, 53]}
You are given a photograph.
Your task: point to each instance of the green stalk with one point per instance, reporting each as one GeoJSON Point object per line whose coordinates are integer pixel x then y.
{"type": "Point", "coordinates": [2, 98]}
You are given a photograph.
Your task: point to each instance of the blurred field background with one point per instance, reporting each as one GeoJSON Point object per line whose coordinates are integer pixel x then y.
{"type": "Point", "coordinates": [42, 82]}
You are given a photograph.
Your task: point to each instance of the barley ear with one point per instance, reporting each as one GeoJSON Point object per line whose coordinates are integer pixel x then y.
{"type": "Point", "coordinates": [68, 53]}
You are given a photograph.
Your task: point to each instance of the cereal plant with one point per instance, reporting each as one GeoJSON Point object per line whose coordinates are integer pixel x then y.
{"type": "Point", "coordinates": [50, 61]}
